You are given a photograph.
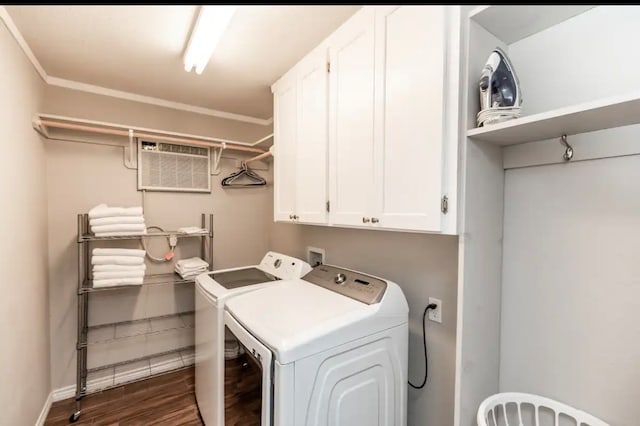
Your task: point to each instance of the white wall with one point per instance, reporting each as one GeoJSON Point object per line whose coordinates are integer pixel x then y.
{"type": "Point", "coordinates": [571, 290]}
{"type": "Point", "coordinates": [24, 311]}
{"type": "Point", "coordinates": [590, 56]}
{"type": "Point", "coordinates": [80, 176]}
{"type": "Point", "coordinates": [422, 265]}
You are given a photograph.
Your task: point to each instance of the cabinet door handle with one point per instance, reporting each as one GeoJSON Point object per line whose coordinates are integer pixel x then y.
{"type": "Point", "coordinates": [374, 220]}
{"type": "Point", "coordinates": [366, 220]}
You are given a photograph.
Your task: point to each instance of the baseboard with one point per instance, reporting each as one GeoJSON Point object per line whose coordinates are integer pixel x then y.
{"type": "Point", "coordinates": [45, 410]}
{"type": "Point", "coordinates": [64, 393]}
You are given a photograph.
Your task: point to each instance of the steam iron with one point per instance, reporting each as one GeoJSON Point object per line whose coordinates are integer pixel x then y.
{"type": "Point", "coordinates": [500, 93]}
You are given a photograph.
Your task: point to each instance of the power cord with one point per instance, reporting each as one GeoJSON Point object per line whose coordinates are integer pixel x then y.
{"type": "Point", "coordinates": [424, 342]}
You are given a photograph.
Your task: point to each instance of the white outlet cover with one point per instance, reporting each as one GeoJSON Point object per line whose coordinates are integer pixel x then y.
{"type": "Point", "coordinates": [435, 314]}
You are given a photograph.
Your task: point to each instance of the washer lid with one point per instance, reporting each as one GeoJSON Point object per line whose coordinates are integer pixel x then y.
{"type": "Point", "coordinates": [227, 282]}
{"type": "Point", "coordinates": [296, 318]}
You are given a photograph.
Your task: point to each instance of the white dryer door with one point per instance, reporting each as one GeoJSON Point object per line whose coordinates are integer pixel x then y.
{"type": "Point", "coordinates": [248, 379]}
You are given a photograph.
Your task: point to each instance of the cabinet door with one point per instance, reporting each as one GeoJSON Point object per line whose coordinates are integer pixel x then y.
{"type": "Point", "coordinates": [351, 82]}
{"type": "Point", "coordinates": [311, 140]}
{"type": "Point", "coordinates": [284, 140]}
{"type": "Point", "coordinates": [410, 52]}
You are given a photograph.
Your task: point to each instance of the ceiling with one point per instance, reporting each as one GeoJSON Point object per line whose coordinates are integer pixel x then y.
{"type": "Point", "coordinates": [139, 49]}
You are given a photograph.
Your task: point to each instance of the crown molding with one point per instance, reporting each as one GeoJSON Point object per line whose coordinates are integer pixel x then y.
{"type": "Point", "coordinates": [11, 26]}
{"type": "Point", "coordinates": [99, 90]}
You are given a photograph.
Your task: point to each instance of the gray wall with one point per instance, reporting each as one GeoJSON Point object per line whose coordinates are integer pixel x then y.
{"type": "Point", "coordinates": [24, 310]}
{"type": "Point", "coordinates": [423, 265]}
{"type": "Point", "coordinates": [80, 176]}
{"type": "Point", "coordinates": [571, 292]}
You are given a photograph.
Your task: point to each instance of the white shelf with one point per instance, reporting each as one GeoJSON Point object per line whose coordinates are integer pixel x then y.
{"type": "Point", "coordinates": [512, 23]}
{"type": "Point", "coordinates": [616, 111]}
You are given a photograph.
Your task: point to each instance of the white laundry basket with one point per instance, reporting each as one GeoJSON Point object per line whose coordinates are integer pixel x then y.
{"type": "Point", "coordinates": [523, 409]}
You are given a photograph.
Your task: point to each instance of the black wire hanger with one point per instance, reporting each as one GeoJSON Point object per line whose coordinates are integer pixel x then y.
{"type": "Point", "coordinates": [256, 179]}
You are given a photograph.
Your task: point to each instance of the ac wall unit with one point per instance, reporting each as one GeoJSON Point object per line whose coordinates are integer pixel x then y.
{"type": "Point", "coordinates": [171, 167]}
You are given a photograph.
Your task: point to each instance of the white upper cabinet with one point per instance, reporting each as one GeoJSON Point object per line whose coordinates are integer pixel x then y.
{"type": "Point", "coordinates": [375, 130]}
{"type": "Point", "coordinates": [351, 115]}
{"type": "Point", "coordinates": [284, 134]}
{"type": "Point", "coordinates": [311, 185]}
{"type": "Point", "coordinates": [409, 117]}
{"type": "Point", "coordinates": [300, 138]}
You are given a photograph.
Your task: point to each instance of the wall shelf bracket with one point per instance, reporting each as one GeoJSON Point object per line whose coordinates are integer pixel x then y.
{"type": "Point", "coordinates": [130, 151]}
{"type": "Point", "coordinates": [215, 158]}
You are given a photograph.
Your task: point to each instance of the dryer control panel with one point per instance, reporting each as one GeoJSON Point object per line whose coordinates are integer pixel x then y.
{"type": "Point", "coordinates": [284, 267]}
{"type": "Point", "coordinates": [358, 286]}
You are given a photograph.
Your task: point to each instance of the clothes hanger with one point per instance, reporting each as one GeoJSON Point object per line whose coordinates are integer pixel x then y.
{"type": "Point", "coordinates": [244, 171]}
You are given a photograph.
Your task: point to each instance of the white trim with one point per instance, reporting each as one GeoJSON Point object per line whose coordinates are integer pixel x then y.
{"type": "Point", "coordinates": [45, 410]}
{"type": "Point", "coordinates": [63, 393]}
{"type": "Point", "coordinates": [266, 138]}
{"type": "Point", "coordinates": [99, 90]}
{"type": "Point", "coordinates": [11, 26]}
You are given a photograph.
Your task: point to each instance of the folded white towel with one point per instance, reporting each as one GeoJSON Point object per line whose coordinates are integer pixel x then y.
{"type": "Point", "coordinates": [116, 220]}
{"type": "Point", "coordinates": [116, 260]}
{"type": "Point", "coordinates": [189, 271]}
{"type": "Point", "coordinates": [111, 282]}
{"type": "Point", "coordinates": [191, 230]}
{"type": "Point", "coordinates": [117, 227]}
{"type": "Point", "coordinates": [118, 252]}
{"type": "Point", "coordinates": [102, 210]}
{"type": "Point", "coordinates": [119, 268]}
{"type": "Point", "coordinates": [118, 274]}
{"type": "Point", "coordinates": [191, 267]}
{"type": "Point", "coordinates": [191, 275]}
{"type": "Point", "coordinates": [119, 234]}
{"type": "Point", "coordinates": [192, 262]}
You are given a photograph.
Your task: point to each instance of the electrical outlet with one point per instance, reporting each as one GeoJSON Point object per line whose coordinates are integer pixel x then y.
{"type": "Point", "coordinates": [435, 314]}
{"type": "Point", "coordinates": [315, 256]}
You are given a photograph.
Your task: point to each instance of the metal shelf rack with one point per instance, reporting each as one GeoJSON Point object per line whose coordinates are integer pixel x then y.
{"type": "Point", "coordinates": [85, 286]}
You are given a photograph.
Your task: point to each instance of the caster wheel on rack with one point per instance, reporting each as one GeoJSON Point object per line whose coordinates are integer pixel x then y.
{"type": "Point", "coordinates": [74, 417]}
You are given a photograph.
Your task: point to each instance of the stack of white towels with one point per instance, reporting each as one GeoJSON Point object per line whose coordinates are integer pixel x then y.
{"type": "Point", "coordinates": [190, 268]}
{"type": "Point", "coordinates": [115, 266]}
{"type": "Point", "coordinates": [108, 221]}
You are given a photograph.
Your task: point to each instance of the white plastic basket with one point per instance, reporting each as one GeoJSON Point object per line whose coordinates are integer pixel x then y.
{"type": "Point", "coordinates": [523, 409]}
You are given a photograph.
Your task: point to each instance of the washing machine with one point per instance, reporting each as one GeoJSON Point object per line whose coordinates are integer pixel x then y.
{"type": "Point", "coordinates": [213, 289]}
{"type": "Point", "coordinates": [329, 349]}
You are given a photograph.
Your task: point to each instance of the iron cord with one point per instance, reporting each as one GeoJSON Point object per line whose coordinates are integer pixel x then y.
{"type": "Point", "coordinates": [424, 344]}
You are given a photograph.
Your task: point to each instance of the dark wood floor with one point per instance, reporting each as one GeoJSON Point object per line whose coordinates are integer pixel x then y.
{"type": "Point", "coordinates": [167, 400]}
{"type": "Point", "coordinates": [164, 400]}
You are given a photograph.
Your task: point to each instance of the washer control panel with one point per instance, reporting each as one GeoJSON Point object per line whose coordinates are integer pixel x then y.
{"type": "Point", "coordinates": [284, 267]}
{"type": "Point", "coordinates": [358, 286]}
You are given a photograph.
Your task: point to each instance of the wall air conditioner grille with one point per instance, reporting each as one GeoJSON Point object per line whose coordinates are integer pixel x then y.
{"type": "Point", "coordinates": [170, 167]}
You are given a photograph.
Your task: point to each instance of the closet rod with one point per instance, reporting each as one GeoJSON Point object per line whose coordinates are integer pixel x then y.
{"type": "Point", "coordinates": [149, 135]}
{"type": "Point", "coordinates": [258, 157]}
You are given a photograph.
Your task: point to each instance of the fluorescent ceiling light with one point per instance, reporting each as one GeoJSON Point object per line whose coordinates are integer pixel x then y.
{"type": "Point", "coordinates": [212, 22]}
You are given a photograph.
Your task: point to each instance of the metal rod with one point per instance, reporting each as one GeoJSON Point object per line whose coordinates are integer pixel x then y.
{"type": "Point", "coordinates": [155, 136]}
{"type": "Point", "coordinates": [211, 241]}
{"type": "Point", "coordinates": [258, 157]}
{"type": "Point", "coordinates": [142, 358]}
{"type": "Point", "coordinates": [79, 357]}
{"type": "Point", "coordinates": [203, 241]}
